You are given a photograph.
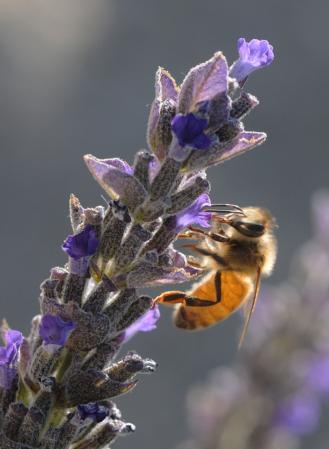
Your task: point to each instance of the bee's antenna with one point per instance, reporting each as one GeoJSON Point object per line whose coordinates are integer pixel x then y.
{"type": "Point", "coordinates": [104, 199]}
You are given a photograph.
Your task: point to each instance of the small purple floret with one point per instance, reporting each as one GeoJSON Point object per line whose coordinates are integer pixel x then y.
{"type": "Point", "coordinates": [55, 331]}
{"type": "Point", "coordinates": [83, 244]}
{"type": "Point", "coordinates": [195, 214]}
{"type": "Point", "coordinates": [9, 357]}
{"type": "Point", "coordinates": [9, 353]}
{"type": "Point", "coordinates": [93, 411]}
{"type": "Point", "coordinates": [146, 323]}
{"type": "Point", "coordinates": [253, 55]}
{"type": "Point", "coordinates": [189, 130]}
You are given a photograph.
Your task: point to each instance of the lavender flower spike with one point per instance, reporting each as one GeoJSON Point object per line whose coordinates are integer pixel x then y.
{"type": "Point", "coordinates": [53, 330]}
{"type": "Point", "coordinates": [81, 245]}
{"type": "Point", "coordinates": [253, 55]}
{"type": "Point", "coordinates": [67, 372]}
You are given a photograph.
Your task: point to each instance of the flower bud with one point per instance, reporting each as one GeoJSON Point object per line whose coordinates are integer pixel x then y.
{"type": "Point", "coordinates": [243, 105]}
{"type": "Point", "coordinates": [93, 385]}
{"type": "Point", "coordinates": [98, 297]}
{"type": "Point", "coordinates": [13, 419]}
{"type": "Point", "coordinates": [32, 424]}
{"type": "Point", "coordinates": [129, 366]}
{"type": "Point", "coordinates": [131, 246]}
{"type": "Point", "coordinates": [44, 361]}
{"type": "Point", "coordinates": [142, 163]}
{"type": "Point", "coordinates": [164, 180]}
{"type": "Point", "coordinates": [184, 198]}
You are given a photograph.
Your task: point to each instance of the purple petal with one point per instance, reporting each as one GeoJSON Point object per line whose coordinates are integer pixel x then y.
{"type": "Point", "coordinates": [203, 83]}
{"type": "Point", "coordinates": [189, 130]}
{"type": "Point", "coordinates": [13, 337]}
{"type": "Point", "coordinates": [55, 331]}
{"type": "Point", "coordinates": [93, 411]}
{"type": "Point", "coordinates": [83, 244]}
{"type": "Point", "coordinates": [9, 353]}
{"type": "Point", "coordinates": [202, 142]}
{"type": "Point", "coordinates": [194, 214]}
{"type": "Point", "coordinates": [252, 56]}
{"type": "Point", "coordinates": [146, 323]}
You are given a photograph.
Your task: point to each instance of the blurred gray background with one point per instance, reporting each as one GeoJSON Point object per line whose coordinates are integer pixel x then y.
{"type": "Point", "coordinates": [76, 77]}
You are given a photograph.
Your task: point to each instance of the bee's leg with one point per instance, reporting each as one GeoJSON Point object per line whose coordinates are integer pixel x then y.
{"type": "Point", "coordinates": [194, 262]}
{"type": "Point", "coordinates": [192, 233]}
{"type": "Point", "coordinates": [177, 297]}
{"type": "Point", "coordinates": [216, 257]}
{"type": "Point", "coordinates": [192, 301]}
{"type": "Point", "coordinates": [196, 233]}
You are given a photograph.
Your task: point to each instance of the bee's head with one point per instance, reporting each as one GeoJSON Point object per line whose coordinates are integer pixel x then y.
{"type": "Point", "coordinates": [255, 223]}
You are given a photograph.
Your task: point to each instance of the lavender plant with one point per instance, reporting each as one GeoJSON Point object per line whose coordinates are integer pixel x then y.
{"type": "Point", "coordinates": [57, 385]}
{"type": "Point", "coordinates": [272, 397]}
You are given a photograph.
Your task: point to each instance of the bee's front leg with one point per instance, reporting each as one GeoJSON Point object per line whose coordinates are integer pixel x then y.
{"type": "Point", "coordinates": [196, 233]}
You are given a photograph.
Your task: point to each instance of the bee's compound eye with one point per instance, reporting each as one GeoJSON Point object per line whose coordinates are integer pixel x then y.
{"type": "Point", "coordinates": [249, 229]}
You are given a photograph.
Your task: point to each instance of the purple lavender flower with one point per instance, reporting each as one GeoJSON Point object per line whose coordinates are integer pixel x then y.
{"type": "Point", "coordinates": [195, 214]}
{"type": "Point", "coordinates": [9, 353]}
{"type": "Point", "coordinates": [253, 55]}
{"type": "Point", "coordinates": [146, 323]}
{"type": "Point", "coordinates": [83, 244]}
{"type": "Point", "coordinates": [9, 356]}
{"type": "Point", "coordinates": [300, 414]}
{"type": "Point", "coordinates": [189, 130]}
{"type": "Point", "coordinates": [93, 411]}
{"type": "Point", "coordinates": [53, 330]}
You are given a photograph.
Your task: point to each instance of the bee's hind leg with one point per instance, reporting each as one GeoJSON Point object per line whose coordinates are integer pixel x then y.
{"type": "Point", "coordinates": [178, 297]}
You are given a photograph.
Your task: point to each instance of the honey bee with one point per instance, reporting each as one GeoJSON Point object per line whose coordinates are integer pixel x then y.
{"type": "Point", "coordinates": [235, 254]}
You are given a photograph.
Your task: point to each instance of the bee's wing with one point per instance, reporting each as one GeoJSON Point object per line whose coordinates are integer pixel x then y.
{"type": "Point", "coordinates": [250, 306]}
